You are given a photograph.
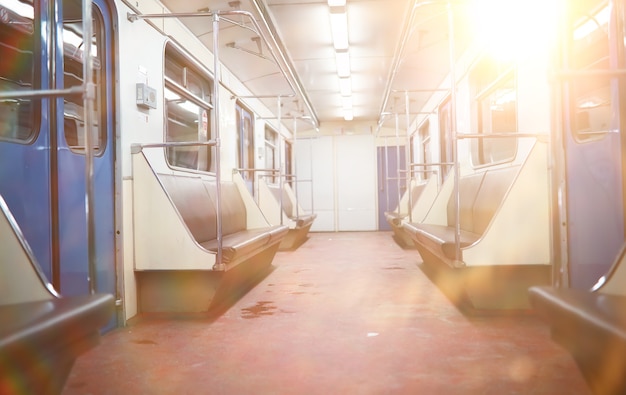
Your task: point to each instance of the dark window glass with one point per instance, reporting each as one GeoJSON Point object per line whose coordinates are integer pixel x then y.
{"type": "Point", "coordinates": [17, 70]}
{"type": "Point", "coordinates": [188, 106]}
{"type": "Point", "coordinates": [445, 136]}
{"type": "Point", "coordinates": [245, 139]}
{"type": "Point", "coordinates": [73, 55]}
{"type": "Point", "coordinates": [424, 173]}
{"type": "Point", "coordinates": [496, 109]}
{"type": "Point", "coordinates": [288, 162]}
{"type": "Point", "coordinates": [590, 95]}
{"type": "Point", "coordinates": [271, 152]}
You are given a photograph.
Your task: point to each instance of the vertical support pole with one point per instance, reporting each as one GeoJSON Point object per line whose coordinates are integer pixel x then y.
{"type": "Point", "coordinates": [311, 175]}
{"type": "Point", "coordinates": [219, 265]}
{"type": "Point", "coordinates": [295, 174]}
{"type": "Point", "coordinates": [89, 97]}
{"type": "Point", "coordinates": [559, 251]}
{"type": "Point", "coordinates": [280, 158]}
{"type": "Point", "coordinates": [386, 174]}
{"type": "Point", "coordinates": [457, 198]}
{"type": "Point", "coordinates": [407, 157]}
{"type": "Point", "coordinates": [398, 162]}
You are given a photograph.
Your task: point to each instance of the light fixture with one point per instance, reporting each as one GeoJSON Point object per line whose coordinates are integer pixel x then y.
{"type": "Point", "coordinates": [347, 115]}
{"type": "Point", "coordinates": [346, 102]}
{"type": "Point", "coordinates": [343, 63]}
{"type": "Point", "coordinates": [339, 27]}
{"type": "Point", "coordinates": [345, 86]}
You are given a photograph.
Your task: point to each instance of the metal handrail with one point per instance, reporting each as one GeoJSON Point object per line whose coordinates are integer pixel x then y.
{"type": "Point", "coordinates": [412, 171]}
{"type": "Point", "coordinates": [256, 177]}
{"type": "Point", "coordinates": [17, 231]}
{"type": "Point", "coordinates": [74, 90]}
{"type": "Point", "coordinates": [137, 148]}
{"type": "Point", "coordinates": [289, 74]}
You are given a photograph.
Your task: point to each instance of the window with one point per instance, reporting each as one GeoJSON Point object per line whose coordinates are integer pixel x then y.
{"type": "Point", "coordinates": [496, 110]}
{"type": "Point", "coordinates": [591, 95]}
{"type": "Point", "coordinates": [17, 70]}
{"type": "Point", "coordinates": [245, 139]}
{"type": "Point", "coordinates": [288, 163]}
{"type": "Point", "coordinates": [424, 134]}
{"type": "Point", "coordinates": [272, 160]}
{"type": "Point", "coordinates": [73, 110]}
{"type": "Point", "coordinates": [445, 137]}
{"type": "Point", "coordinates": [188, 106]}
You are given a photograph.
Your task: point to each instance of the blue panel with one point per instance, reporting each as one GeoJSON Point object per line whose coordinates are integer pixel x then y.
{"type": "Point", "coordinates": [595, 210]}
{"type": "Point", "coordinates": [388, 164]}
{"type": "Point", "coordinates": [71, 177]}
{"type": "Point", "coordinates": [25, 185]}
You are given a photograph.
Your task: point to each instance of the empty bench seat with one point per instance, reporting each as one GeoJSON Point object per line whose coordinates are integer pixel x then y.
{"type": "Point", "coordinates": [480, 196]}
{"type": "Point", "coordinates": [279, 205]}
{"type": "Point", "coordinates": [41, 334]}
{"type": "Point", "coordinates": [395, 218]}
{"type": "Point", "coordinates": [177, 261]}
{"type": "Point", "coordinates": [301, 219]}
{"type": "Point", "coordinates": [591, 325]}
{"type": "Point", "coordinates": [40, 340]}
{"type": "Point", "coordinates": [195, 199]}
{"type": "Point", "coordinates": [412, 208]}
{"type": "Point", "coordinates": [504, 234]}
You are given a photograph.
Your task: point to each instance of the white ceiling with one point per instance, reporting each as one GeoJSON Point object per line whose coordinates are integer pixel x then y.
{"type": "Point", "coordinates": [384, 72]}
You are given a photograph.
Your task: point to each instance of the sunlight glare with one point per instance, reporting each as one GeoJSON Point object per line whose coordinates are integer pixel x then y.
{"type": "Point", "coordinates": [512, 29]}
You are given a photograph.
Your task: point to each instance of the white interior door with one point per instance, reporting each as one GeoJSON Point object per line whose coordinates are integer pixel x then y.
{"type": "Point", "coordinates": [356, 183]}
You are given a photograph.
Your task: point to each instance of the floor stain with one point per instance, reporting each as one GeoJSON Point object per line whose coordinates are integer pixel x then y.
{"type": "Point", "coordinates": [260, 308]}
{"type": "Point", "coordinates": [144, 342]}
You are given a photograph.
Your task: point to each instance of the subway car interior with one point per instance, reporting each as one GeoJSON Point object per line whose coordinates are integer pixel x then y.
{"type": "Point", "coordinates": [312, 197]}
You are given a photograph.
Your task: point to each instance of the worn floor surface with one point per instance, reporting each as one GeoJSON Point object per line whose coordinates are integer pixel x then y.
{"type": "Point", "coordinates": [346, 313]}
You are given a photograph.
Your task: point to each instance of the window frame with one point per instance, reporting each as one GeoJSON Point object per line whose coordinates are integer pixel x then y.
{"type": "Point", "coordinates": [178, 99]}
{"type": "Point", "coordinates": [488, 79]}
{"type": "Point", "coordinates": [272, 145]}
{"type": "Point", "coordinates": [245, 138]}
{"type": "Point", "coordinates": [33, 116]}
{"type": "Point", "coordinates": [425, 148]}
{"type": "Point", "coordinates": [595, 48]}
{"type": "Point", "coordinates": [99, 74]}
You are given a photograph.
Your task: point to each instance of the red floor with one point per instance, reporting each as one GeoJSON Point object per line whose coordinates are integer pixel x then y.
{"type": "Point", "coordinates": [346, 313]}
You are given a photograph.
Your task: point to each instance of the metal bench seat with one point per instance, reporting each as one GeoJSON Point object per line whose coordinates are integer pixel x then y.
{"type": "Point", "coordinates": [41, 333]}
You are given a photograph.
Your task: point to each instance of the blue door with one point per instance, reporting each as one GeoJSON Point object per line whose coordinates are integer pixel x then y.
{"type": "Point", "coordinates": [391, 183]}
{"type": "Point", "coordinates": [592, 143]}
{"type": "Point", "coordinates": [41, 144]}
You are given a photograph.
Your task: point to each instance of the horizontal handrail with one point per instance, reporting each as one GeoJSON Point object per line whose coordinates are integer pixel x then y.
{"type": "Point", "coordinates": [26, 94]}
{"type": "Point", "coordinates": [135, 148]}
{"type": "Point", "coordinates": [589, 73]}
{"type": "Point", "coordinates": [258, 170]}
{"type": "Point", "coordinates": [282, 62]}
{"type": "Point", "coordinates": [461, 136]}
{"type": "Point", "coordinates": [431, 164]}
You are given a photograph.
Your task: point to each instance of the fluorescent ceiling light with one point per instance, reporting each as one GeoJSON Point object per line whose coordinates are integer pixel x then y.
{"type": "Point", "coordinates": [346, 102]}
{"type": "Point", "coordinates": [336, 3]}
{"type": "Point", "coordinates": [343, 63]}
{"type": "Point", "coordinates": [339, 27]}
{"type": "Point", "coordinates": [345, 86]}
{"type": "Point", "coordinates": [347, 115]}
